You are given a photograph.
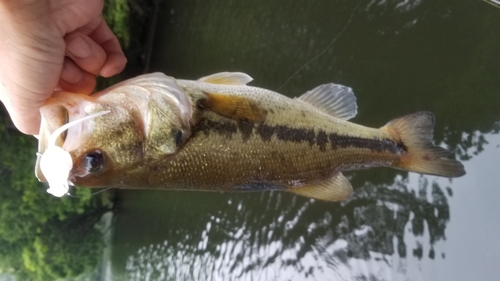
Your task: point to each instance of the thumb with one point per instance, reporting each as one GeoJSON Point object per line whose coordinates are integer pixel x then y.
{"type": "Point", "coordinates": [25, 118]}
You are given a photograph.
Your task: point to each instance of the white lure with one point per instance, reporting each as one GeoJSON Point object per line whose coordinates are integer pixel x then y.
{"type": "Point", "coordinates": [56, 163]}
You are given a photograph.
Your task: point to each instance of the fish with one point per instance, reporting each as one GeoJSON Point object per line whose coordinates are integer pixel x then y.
{"type": "Point", "coordinates": [219, 134]}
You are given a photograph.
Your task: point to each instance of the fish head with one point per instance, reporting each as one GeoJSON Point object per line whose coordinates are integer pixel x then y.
{"type": "Point", "coordinates": [111, 136]}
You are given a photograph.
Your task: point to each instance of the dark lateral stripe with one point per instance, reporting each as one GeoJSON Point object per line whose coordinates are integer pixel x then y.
{"type": "Point", "coordinates": [297, 135]}
{"type": "Point", "coordinates": [227, 129]}
{"type": "Point", "coordinates": [375, 145]}
{"type": "Point", "coordinates": [246, 129]}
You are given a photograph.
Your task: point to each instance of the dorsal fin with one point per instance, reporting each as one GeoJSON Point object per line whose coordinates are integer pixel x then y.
{"type": "Point", "coordinates": [227, 78]}
{"type": "Point", "coordinates": [234, 107]}
{"type": "Point", "coordinates": [337, 188]}
{"type": "Point", "coordinates": [333, 99]}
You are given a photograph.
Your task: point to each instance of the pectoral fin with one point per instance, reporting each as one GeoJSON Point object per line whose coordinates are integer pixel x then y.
{"type": "Point", "coordinates": [337, 188]}
{"type": "Point", "coordinates": [227, 78]}
{"type": "Point", "coordinates": [234, 107]}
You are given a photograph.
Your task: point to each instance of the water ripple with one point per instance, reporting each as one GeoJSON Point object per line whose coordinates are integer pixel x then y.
{"type": "Point", "coordinates": [268, 237]}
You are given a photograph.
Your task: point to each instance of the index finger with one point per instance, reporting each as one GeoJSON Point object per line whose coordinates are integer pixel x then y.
{"type": "Point", "coordinates": [116, 60]}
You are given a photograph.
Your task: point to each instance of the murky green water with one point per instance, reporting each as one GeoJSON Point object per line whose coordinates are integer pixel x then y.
{"type": "Point", "coordinates": [399, 57]}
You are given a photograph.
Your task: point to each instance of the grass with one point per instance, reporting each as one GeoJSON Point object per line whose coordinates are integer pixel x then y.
{"type": "Point", "coordinates": [116, 14]}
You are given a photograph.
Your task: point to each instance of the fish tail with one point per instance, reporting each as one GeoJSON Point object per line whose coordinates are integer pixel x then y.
{"type": "Point", "coordinates": [414, 133]}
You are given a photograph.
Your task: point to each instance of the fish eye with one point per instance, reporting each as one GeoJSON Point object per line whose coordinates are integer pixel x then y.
{"type": "Point", "coordinates": [93, 161]}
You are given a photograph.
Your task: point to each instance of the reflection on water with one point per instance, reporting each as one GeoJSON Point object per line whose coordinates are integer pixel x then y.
{"type": "Point", "coordinates": [277, 236]}
{"type": "Point", "coordinates": [400, 57]}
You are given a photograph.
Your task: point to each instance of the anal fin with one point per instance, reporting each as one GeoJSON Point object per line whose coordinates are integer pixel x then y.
{"type": "Point", "coordinates": [332, 99]}
{"type": "Point", "coordinates": [234, 107]}
{"type": "Point", "coordinates": [337, 188]}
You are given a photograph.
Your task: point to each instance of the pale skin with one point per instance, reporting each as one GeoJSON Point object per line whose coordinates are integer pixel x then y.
{"type": "Point", "coordinates": [52, 44]}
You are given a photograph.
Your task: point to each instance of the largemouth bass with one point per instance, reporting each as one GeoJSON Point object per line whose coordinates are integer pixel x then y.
{"type": "Point", "coordinates": [218, 134]}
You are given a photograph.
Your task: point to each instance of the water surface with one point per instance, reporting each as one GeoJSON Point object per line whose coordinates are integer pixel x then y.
{"type": "Point", "coordinates": [399, 57]}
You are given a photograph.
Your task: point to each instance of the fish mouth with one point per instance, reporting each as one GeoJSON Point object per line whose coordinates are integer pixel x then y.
{"type": "Point", "coordinates": [57, 112]}
{"type": "Point", "coordinates": [53, 116]}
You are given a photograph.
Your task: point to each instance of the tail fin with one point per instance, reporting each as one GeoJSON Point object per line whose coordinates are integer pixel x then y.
{"type": "Point", "coordinates": [415, 132]}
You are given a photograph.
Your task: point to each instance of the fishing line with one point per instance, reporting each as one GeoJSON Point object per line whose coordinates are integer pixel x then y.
{"type": "Point", "coordinates": [92, 194]}
{"type": "Point", "coordinates": [325, 49]}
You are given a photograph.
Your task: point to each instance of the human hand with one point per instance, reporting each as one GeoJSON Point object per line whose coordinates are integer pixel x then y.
{"type": "Point", "coordinates": [48, 44]}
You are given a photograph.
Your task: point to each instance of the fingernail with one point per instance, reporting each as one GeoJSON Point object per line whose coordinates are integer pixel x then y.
{"type": "Point", "coordinates": [109, 71]}
{"type": "Point", "coordinates": [116, 66]}
{"type": "Point", "coordinates": [79, 48]}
